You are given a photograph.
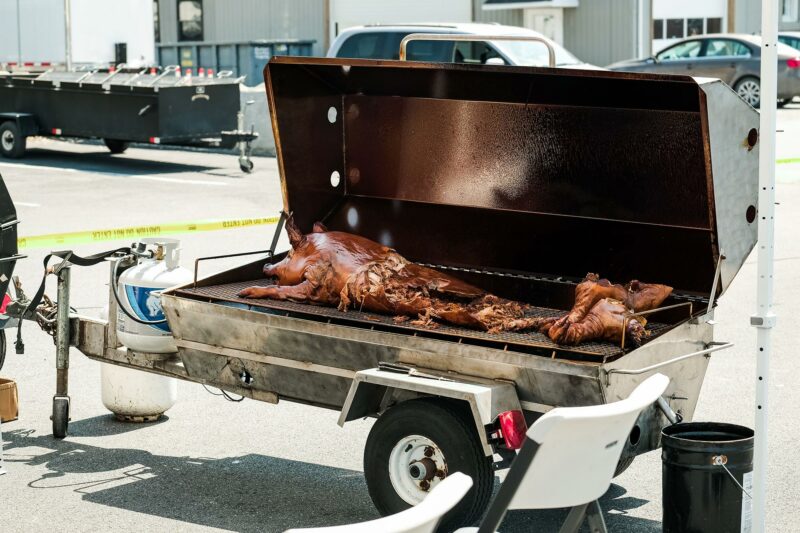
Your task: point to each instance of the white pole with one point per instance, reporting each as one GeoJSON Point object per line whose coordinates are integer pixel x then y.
{"type": "Point", "coordinates": [68, 34]}
{"type": "Point", "coordinates": [764, 318]}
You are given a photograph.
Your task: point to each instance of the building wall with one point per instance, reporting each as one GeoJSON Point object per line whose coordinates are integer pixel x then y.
{"type": "Point", "coordinates": [508, 17]}
{"type": "Point", "coordinates": [747, 18]}
{"type": "Point", "coordinates": [245, 20]}
{"type": "Point", "coordinates": [348, 13]}
{"type": "Point", "coordinates": [604, 31]}
{"type": "Point", "coordinates": [686, 12]}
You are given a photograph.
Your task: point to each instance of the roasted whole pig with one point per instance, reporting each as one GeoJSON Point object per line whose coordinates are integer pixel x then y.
{"type": "Point", "coordinates": [340, 269]}
{"type": "Point", "coordinates": [603, 310]}
{"type": "Point", "coordinates": [343, 270]}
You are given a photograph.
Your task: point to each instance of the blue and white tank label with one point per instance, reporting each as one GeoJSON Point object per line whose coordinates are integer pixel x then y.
{"type": "Point", "coordinates": [145, 302]}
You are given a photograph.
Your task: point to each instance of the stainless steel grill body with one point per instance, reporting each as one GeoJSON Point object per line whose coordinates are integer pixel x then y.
{"type": "Point", "coordinates": [521, 180]}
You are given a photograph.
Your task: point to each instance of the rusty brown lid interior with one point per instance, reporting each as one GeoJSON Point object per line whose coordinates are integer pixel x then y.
{"type": "Point", "coordinates": [554, 172]}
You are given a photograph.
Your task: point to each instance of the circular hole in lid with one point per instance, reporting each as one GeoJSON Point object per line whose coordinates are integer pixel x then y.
{"type": "Point", "coordinates": [751, 214]}
{"type": "Point", "coordinates": [332, 114]}
{"type": "Point", "coordinates": [335, 178]}
{"type": "Point", "coordinates": [752, 137]}
{"type": "Point", "coordinates": [635, 436]}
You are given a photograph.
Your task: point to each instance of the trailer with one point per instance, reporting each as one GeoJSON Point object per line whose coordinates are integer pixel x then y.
{"type": "Point", "coordinates": [518, 180]}
{"type": "Point", "coordinates": [35, 34]}
{"type": "Point", "coordinates": [121, 106]}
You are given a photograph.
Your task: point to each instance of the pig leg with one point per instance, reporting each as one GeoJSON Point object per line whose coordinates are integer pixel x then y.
{"type": "Point", "coordinates": [302, 292]}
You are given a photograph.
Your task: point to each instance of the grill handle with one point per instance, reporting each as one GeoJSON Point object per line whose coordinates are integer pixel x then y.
{"type": "Point", "coordinates": [551, 52]}
{"type": "Point", "coordinates": [710, 348]}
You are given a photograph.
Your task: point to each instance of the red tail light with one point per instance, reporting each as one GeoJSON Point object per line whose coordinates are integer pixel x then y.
{"type": "Point", "coordinates": [513, 428]}
{"type": "Point", "coordinates": [793, 62]}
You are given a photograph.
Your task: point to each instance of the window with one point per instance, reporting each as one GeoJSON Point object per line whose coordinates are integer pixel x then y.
{"type": "Point", "coordinates": [794, 42]}
{"type": "Point", "coordinates": [726, 48]}
{"type": "Point", "coordinates": [789, 10]}
{"type": "Point", "coordinates": [675, 29]}
{"type": "Point", "coordinates": [714, 25]}
{"type": "Point", "coordinates": [386, 45]}
{"type": "Point", "coordinates": [475, 53]}
{"type": "Point", "coordinates": [694, 27]}
{"type": "Point", "coordinates": [190, 20]}
{"type": "Point", "coordinates": [685, 50]}
{"type": "Point", "coordinates": [155, 21]}
{"type": "Point", "coordinates": [658, 29]}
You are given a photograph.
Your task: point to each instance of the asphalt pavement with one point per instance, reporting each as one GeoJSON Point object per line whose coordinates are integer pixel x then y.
{"type": "Point", "coordinates": [250, 466]}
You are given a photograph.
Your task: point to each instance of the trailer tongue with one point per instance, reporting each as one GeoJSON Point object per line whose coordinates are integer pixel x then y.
{"type": "Point", "coordinates": [516, 180]}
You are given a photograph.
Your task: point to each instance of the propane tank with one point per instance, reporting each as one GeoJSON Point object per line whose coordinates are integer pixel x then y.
{"type": "Point", "coordinates": [139, 289]}
{"type": "Point", "coordinates": [133, 395]}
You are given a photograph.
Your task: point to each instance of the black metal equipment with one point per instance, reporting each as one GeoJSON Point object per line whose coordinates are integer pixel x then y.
{"type": "Point", "coordinates": [8, 259]}
{"type": "Point", "coordinates": [122, 106]}
{"type": "Point", "coordinates": [707, 475]}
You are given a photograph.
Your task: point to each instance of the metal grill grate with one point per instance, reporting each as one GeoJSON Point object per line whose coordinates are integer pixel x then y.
{"type": "Point", "coordinates": [527, 341]}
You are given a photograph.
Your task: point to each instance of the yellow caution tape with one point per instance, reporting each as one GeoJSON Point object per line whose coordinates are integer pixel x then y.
{"type": "Point", "coordinates": [133, 233]}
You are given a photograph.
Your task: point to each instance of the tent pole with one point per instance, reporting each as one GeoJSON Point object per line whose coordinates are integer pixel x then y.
{"type": "Point", "coordinates": [764, 318]}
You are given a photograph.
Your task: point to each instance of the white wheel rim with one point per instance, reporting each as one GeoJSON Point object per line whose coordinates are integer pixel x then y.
{"type": "Point", "coordinates": [420, 456]}
{"type": "Point", "coordinates": [750, 92]}
{"type": "Point", "coordinates": [7, 140]}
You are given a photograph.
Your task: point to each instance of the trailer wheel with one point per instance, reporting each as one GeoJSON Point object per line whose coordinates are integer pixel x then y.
{"type": "Point", "coordinates": [413, 446]}
{"type": "Point", "coordinates": [60, 416]}
{"type": "Point", "coordinates": [115, 146]}
{"type": "Point", "coordinates": [12, 142]}
{"type": "Point", "coordinates": [246, 166]}
{"type": "Point", "coordinates": [623, 464]}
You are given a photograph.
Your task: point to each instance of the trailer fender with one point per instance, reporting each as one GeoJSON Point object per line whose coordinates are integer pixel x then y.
{"type": "Point", "coordinates": [25, 122]}
{"type": "Point", "coordinates": [373, 389]}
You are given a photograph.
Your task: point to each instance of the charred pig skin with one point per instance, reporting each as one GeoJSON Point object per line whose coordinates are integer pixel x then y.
{"type": "Point", "coordinates": [601, 309]}
{"type": "Point", "coordinates": [343, 270]}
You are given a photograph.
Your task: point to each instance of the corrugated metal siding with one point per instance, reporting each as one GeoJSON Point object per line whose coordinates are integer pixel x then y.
{"type": "Point", "coordinates": [168, 20]}
{"type": "Point", "coordinates": [748, 18]}
{"type": "Point", "coordinates": [603, 31]}
{"type": "Point", "coordinates": [244, 20]}
{"type": "Point", "coordinates": [509, 17]}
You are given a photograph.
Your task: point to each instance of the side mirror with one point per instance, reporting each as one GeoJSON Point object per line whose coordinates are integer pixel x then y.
{"type": "Point", "coordinates": [495, 61]}
{"type": "Point", "coordinates": [651, 59]}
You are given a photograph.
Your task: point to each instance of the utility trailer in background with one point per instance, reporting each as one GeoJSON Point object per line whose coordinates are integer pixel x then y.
{"type": "Point", "coordinates": [121, 107]}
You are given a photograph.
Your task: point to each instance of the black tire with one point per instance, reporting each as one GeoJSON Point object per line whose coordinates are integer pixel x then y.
{"type": "Point", "coordinates": [782, 102]}
{"type": "Point", "coordinates": [453, 431]}
{"type": "Point", "coordinates": [246, 167]}
{"type": "Point", "coordinates": [749, 89]}
{"type": "Point", "coordinates": [2, 348]}
{"type": "Point", "coordinates": [116, 147]}
{"type": "Point", "coordinates": [60, 417]}
{"type": "Point", "coordinates": [623, 464]}
{"type": "Point", "coordinates": [12, 142]}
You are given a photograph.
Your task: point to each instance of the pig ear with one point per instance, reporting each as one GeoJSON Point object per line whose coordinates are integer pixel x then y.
{"type": "Point", "coordinates": [296, 236]}
{"type": "Point", "coordinates": [319, 227]}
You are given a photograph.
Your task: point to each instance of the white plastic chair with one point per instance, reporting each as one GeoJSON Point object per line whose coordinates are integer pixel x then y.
{"type": "Point", "coordinates": [569, 458]}
{"type": "Point", "coordinates": [424, 518]}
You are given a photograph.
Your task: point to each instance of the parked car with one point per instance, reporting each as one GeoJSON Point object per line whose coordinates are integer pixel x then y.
{"type": "Point", "coordinates": [733, 58]}
{"type": "Point", "coordinates": [383, 42]}
{"type": "Point", "coordinates": [790, 38]}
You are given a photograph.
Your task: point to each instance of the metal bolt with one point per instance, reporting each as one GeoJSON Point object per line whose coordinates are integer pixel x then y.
{"type": "Point", "coordinates": [424, 485]}
{"type": "Point", "coordinates": [428, 451]}
{"type": "Point", "coordinates": [440, 474]}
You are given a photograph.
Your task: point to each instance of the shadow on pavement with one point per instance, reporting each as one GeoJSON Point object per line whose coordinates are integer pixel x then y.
{"type": "Point", "coordinates": [103, 162]}
{"type": "Point", "coordinates": [104, 425]}
{"type": "Point", "coordinates": [615, 505]}
{"type": "Point", "coordinates": [244, 493]}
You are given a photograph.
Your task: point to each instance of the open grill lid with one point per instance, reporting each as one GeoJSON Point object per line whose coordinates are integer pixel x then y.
{"type": "Point", "coordinates": [543, 171]}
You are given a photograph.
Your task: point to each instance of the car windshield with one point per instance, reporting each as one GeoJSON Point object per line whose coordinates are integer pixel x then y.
{"type": "Point", "coordinates": [533, 54]}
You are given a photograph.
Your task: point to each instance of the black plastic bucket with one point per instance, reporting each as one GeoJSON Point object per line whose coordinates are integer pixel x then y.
{"type": "Point", "coordinates": [699, 495]}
